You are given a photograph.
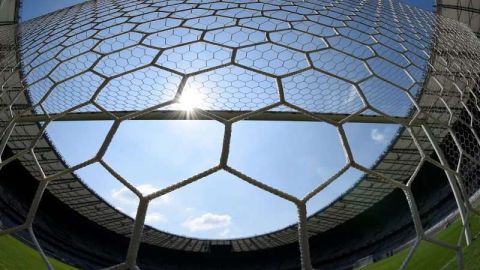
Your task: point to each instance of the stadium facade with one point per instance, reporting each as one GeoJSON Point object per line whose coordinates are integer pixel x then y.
{"type": "Point", "coordinates": [330, 61]}
{"type": "Point", "coordinates": [464, 11]}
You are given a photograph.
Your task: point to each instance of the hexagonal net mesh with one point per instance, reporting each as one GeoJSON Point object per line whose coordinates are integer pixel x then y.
{"type": "Point", "coordinates": [329, 61]}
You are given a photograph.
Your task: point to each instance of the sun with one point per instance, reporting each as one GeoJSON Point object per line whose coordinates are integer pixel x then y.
{"type": "Point", "coordinates": [190, 100]}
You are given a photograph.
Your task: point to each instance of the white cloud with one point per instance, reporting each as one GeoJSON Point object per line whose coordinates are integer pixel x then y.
{"type": "Point", "coordinates": [207, 222]}
{"type": "Point", "coordinates": [153, 218]}
{"type": "Point", "coordinates": [226, 233]}
{"type": "Point", "coordinates": [146, 189]}
{"type": "Point", "coordinates": [352, 97]}
{"type": "Point", "coordinates": [127, 197]}
{"type": "Point", "coordinates": [377, 136]}
{"type": "Point", "coordinates": [124, 196]}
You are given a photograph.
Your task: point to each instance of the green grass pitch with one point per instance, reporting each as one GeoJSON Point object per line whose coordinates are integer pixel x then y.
{"type": "Point", "coordinates": [430, 256]}
{"type": "Point", "coordinates": [14, 255]}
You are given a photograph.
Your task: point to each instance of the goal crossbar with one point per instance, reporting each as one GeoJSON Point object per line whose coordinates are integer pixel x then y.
{"type": "Point", "coordinates": [191, 115]}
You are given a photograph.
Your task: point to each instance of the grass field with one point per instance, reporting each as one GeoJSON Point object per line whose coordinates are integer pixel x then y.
{"type": "Point", "coordinates": [430, 256]}
{"type": "Point", "coordinates": [14, 255]}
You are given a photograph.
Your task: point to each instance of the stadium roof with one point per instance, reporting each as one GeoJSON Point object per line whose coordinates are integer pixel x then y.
{"type": "Point", "coordinates": [465, 11]}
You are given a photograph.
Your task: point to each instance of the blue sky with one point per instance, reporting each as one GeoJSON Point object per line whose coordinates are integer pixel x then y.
{"type": "Point", "coordinates": [424, 4]}
{"type": "Point", "coordinates": [291, 156]}
{"type": "Point", "coordinates": [35, 8]}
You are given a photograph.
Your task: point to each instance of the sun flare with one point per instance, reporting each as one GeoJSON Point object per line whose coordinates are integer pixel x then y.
{"type": "Point", "coordinates": [190, 99]}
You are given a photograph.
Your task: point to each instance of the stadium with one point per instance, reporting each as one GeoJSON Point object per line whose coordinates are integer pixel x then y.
{"type": "Point", "coordinates": [406, 197]}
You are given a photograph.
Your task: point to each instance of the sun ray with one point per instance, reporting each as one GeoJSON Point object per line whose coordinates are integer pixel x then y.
{"type": "Point", "coordinates": [191, 99]}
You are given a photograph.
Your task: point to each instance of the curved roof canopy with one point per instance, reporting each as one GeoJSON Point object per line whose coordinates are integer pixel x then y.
{"type": "Point", "coordinates": [465, 11]}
